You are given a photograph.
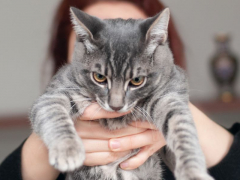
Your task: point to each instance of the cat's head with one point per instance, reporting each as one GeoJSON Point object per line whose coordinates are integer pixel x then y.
{"type": "Point", "coordinates": [121, 61]}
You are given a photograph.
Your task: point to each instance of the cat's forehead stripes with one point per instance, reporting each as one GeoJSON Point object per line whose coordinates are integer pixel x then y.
{"type": "Point", "coordinates": [111, 63]}
{"type": "Point", "coordinates": [116, 62]}
{"type": "Point", "coordinates": [106, 70]}
{"type": "Point", "coordinates": [99, 67]}
{"type": "Point", "coordinates": [125, 70]}
{"type": "Point", "coordinates": [139, 69]}
{"type": "Point", "coordinates": [119, 60]}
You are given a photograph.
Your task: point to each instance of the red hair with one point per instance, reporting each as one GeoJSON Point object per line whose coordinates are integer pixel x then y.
{"type": "Point", "coordinates": [62, 27]}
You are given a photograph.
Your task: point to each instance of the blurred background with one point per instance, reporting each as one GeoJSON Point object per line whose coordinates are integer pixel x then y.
{"type": "Point", "coordinates": [24, 37]}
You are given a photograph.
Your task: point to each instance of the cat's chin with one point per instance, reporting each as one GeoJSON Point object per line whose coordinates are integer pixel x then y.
{"type": "Point", "coordinates": [116, 123]}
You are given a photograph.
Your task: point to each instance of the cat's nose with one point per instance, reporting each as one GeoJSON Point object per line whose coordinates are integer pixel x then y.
{"type": "Point", "coordinates": [116, 108]}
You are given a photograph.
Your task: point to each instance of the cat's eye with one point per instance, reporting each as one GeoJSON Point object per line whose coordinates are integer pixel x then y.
{"type": "Point", "coordinates": [137, 81]}
{"type": "Point", "coordinates": [99, 77]}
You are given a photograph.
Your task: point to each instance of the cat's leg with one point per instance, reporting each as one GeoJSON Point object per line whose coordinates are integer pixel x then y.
{"type": "Point", "coordinates": [51, 120]}
{"type": "Point", "coordinates": [86, 173]}
{"type": "Point", "coordinates": [173, 118]}
{"type": "Point", "coordinates": [150, 170]}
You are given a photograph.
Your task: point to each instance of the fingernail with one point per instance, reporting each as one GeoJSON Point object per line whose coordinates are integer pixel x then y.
{"type": "Point", "coordinates": [124, 165]}
{"type": "Point", "coordinates": [115, 144]}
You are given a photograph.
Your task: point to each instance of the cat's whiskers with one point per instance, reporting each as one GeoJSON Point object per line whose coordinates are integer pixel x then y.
{"type": "Point", "coordinates": [147, 115]}
{"type": "Point", "coordinates": [75, 103]}
{"type": "Point", "coordinates": [139, 110]}
{"type": "Point", "coordinates": [71, 108]}
{"type": "Point", "coordinates": [76, 100]}
{"type": "Point", "coordinates": [134, 115]}
{"type": "Point", "coordinates": [101, 103]}
{"type": "Point", "coordinates": [91, 118]}
{"type": "Point", "coordinates": [131, 105]}
{"type": "Point", "coordinates": [144, 112]}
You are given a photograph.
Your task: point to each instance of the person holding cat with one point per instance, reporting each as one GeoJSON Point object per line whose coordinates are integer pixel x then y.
{"type": "Point", "coordinates": [103, 147]}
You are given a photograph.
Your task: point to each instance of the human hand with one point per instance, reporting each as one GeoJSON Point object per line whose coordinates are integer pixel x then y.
{"type": "Point", "coordinates": [150, 141]}
{"type": "Point", "coordinates": [103, 146]}
{"type": "Point", "coordinates": [34, 159]}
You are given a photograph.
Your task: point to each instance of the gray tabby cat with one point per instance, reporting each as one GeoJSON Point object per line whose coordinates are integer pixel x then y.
{"type": "Point", "coordinates": [122, 65]}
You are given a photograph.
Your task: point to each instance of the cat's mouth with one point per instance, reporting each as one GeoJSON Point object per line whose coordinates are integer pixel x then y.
{"type": "Point", "coordinates": [127, 107]}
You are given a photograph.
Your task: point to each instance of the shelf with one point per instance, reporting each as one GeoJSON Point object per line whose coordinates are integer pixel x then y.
{"type": "Point", "coordinates": [14, 121]}
{"type": "Point", "coordinates": [218, 106]}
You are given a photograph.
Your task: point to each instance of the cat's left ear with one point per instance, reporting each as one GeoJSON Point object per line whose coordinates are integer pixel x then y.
{"type": "Point", "coordinates": [86, 27]}
{"type": "Point", "coordinates": [156, 29]}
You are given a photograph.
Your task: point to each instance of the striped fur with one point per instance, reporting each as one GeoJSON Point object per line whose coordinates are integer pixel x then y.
{"type": "Point", "coordinates": [123, 49]}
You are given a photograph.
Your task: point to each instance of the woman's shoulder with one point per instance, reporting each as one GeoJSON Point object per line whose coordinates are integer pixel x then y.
{"type": "Point", "coordinates": [229, 167]}
{"type": "Point", "coordinates": [235, 129]}
{"type": "Point", "coordinates": [10, 168]}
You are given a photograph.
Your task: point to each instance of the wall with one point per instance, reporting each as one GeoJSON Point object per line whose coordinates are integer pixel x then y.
{"type": "Point", "coordinates": [24, 34]}
{"type": "Point", "coordinates": [197, 22]}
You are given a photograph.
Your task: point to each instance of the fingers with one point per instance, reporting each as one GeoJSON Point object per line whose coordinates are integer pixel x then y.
{"type": "Point", "coordinates": [103, 158]}
{"type": "Point", "coordinates": [136, 141]}
{"type": "Point", "coordinates": [143, 124]}
{"type": "Point", "coordinates": [137, 160]}
{"type": "Point", "coordinates": [93, 130]}
{"type": "Point", "coordinates": [95, 145]}
{"type": "Point", "coordinates": [94, 111]}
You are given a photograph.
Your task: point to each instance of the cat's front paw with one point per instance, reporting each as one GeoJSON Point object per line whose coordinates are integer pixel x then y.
{"type": "Point", "coordinates": [67, 155]}
{"type": "Point", "coordinates": [194, 175]}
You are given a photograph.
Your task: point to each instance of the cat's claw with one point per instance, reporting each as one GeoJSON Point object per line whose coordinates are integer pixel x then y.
{"type": "Point", "coordinates": [67, 155]}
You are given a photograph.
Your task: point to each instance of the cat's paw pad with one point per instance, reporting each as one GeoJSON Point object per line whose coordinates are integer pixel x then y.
{"type": "Point", "coordinates": [67, 155]}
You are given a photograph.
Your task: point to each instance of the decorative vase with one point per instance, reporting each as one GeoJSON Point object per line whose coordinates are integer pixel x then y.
{"type": "Point", "coordinates": [224, 67]}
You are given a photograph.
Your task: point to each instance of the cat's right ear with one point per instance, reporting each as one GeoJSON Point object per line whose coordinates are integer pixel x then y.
{"type": "Point", "coordinates": [86, 27]}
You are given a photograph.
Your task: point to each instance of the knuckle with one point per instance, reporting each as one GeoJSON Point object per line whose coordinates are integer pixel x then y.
{"type": "Point", "coordinates": [112, 156]}
{"type": "Point", "coordinates": [151, 151]}
{"type": "Point", "coordinates": [87, 161]}
{"type": "Point", "coordinates": [155, 136]}
{"type": "Point", "coordinates": [139, 162]}
{"type": "Point", "coordinates": [131, 144]}
{"type": "Point", "coordinates": [127, 143]}
{"type": "Point", "coordinates": [85, 115]}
